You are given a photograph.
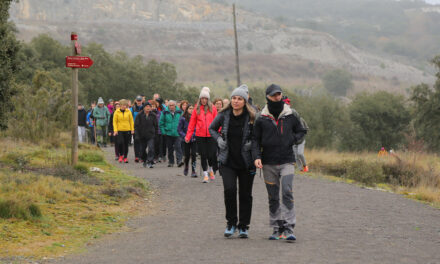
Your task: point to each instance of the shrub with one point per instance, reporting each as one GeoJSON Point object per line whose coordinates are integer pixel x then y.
{"type": "Point", "coordinates": [66, 172]}
{"type": "Point", "coordinates": [92, 157]}
{"type": "Point", "coordinates": [402, 173]}
{"type": "Point", "coordinates": [365, 172]}
{"type": "Point", "coordinates": [17, 160]}
{"type": "Point", "coordinates": [13, 209]}
{"type": "Point", "coordinates": [81, 168]}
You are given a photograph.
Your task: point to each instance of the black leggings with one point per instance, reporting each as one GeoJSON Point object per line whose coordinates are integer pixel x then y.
{"type": "Point", "coordinates": [190, 152]}
{"type": "Point", "coordinates": [208, 150]}
{"type": "Point", "coordinates": [123, 140]}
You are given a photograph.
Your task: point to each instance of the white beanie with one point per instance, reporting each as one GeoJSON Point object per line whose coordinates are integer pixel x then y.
{"type": "Point", "coordinates": [205, 93]}
{"type": "Point", "coordinates": [100, 100]}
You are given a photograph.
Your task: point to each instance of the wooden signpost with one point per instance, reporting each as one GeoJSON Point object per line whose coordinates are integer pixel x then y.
{"type": "Point", "coordinates": [75, 62]}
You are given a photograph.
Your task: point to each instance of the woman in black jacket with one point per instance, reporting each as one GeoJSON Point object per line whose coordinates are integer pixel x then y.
{"type": "Point", "coordinates": [235, 158]}
{"type": "Point", "coordinates": [145, 127]}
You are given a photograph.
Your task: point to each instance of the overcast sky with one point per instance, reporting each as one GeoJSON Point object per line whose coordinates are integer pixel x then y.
{"type": "Point", "coordinates": [433, 1]}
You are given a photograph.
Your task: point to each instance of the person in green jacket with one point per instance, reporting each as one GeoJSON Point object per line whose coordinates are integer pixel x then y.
{"type": "Point", "coordinates": [168, 123]}
{"type": "Point", "coordinates": [102, 117]}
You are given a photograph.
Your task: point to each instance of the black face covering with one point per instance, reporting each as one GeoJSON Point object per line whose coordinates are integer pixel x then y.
{"type": "Point", "coordinates": [275, 108]}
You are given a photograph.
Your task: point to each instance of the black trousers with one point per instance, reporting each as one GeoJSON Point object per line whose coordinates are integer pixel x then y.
{"type": "Point", "coordinates": [123, 140]}
{"type": "Point", "coordinates": [137, 147]}
{"type": "Point", "coordinates": [147, 144]}
{"type": "Point", "coordinates": [190, 152]}
{"type": "Point", "coordinates": [207, 148]}
{"type": "Point", "coordinates": [245, 184]}
{"type": "Point", "coordinates": [174, 145]}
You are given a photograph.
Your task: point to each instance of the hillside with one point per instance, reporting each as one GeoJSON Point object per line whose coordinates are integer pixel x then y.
{"type": "Point", "coordinates": [197, 36]}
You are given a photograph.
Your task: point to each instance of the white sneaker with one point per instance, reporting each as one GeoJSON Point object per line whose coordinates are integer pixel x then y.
{"type": "Point", "coordinates": [205, 177]}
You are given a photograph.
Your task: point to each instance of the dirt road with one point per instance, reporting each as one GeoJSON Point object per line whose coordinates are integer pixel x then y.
{"type": "Point", "coordinates": [336, 223]}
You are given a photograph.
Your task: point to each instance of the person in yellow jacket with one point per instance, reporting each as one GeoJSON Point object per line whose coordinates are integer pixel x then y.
{"type": "Point", "coordinates": [123, 127]}
{"type": "Point", "coordinates": [382, 152]}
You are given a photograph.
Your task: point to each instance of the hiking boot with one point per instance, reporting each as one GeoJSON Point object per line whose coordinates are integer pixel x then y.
{"type": "Point", "coordinates": [305, 169]}
{"type": "Point", "coordinates": [151, 166]}
{"type": "Point", "coordinates": [185, 171]}
{"type": "Point", "coordinates": [136, 160]}
{"type": "Point", "coordinates": [193, 174]}
{"type": "Point", "coordinates": [125, 160]}
{"type": "Point", "coordinates": [290, 237]}
{"type": "Point", "coordinates": [275, 235]}
{"type": "Point", "coordinates": [230, 230]}
{"type": "Point", "coordinates": [170, 165]}
{"type": "Point", "coordinates": [211, 175]}
{"type": "Point", "coordinates": [180, 164]}
{"type": "Point", "coordinates": [243, 233]}
{"type": "Point", "coordinates": [120, 159]}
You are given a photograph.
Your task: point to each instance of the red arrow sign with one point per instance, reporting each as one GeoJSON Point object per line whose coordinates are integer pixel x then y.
{"type": "Point", "coordinates": [78, 62]}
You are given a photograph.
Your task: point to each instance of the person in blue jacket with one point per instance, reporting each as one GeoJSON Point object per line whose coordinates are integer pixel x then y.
{"type": "Point", "coordinates": [190, 148]}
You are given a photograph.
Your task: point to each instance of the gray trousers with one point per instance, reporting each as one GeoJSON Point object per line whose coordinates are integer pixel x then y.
{"type": "Point", "coordinates": [298, 150]}
{"type": "Point", "coordinates": [279, 182]}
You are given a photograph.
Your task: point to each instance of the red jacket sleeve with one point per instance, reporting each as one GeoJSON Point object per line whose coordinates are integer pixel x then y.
{"type": "Point", "coordinates": [192, 124]}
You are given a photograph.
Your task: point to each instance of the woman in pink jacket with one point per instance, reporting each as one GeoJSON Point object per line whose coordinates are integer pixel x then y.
{"type": "Point", "coordinates": [201, 118]}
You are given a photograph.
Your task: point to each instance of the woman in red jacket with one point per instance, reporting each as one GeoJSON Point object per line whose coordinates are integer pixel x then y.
{"type": "Point", "coordinates": [201, 118]}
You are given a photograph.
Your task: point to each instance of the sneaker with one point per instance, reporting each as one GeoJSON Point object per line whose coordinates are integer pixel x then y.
{"type": "Point", "coordinates": [125, 160]}
{"type": "Point", "coordinates": [120, 159]}
{"type": "Point", "coordinates": [180, 164]}
{"type": "Point", "coordinates": [305, 169]}
{"type": "Point", "coordinates": [290, 237]}
{"type": "Point", "coordinates": [170, 165]}
{"type": "Point", "coordinates": [151, 166]}
{"type": "Point", "coordinates": [136, 160]}
{"type": "Point", "coordinates": [205, 178]}
{"type": "Point", "coordinates": [281, 233]}
{"type": "Point", "coordinates": [185, 171]}
{"type": "Point", "coordinates": [211, 175]}
{"type": "Point", "coordinates": [230, 230]}
{"type": "Point", "coordinates": [243, 233]}
{"type": "Point", "coordinates": [144, 164]}
{"type": "Point", "coordinates": [193, 174]}
{"type": "Point", "coordinates": [275, 235]}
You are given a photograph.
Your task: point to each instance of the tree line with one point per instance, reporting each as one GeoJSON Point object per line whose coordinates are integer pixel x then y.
{"type": "Point", "coordinates": [35, 96]}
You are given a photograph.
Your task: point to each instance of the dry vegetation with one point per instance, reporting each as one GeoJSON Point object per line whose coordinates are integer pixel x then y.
{"type": "Point", "coordinates": [414, 174]}
{"type": "Point", "coordinates": [48, 208]}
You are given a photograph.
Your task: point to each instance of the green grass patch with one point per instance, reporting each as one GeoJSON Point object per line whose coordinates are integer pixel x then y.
{"type": "Point", "coordinates": [49, 208]}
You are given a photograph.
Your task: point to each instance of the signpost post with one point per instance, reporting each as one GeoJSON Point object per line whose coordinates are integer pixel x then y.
{"type": "Point", "coordinates": [74, 39]}
{"type": "Point", "coordinates": [75, 61]}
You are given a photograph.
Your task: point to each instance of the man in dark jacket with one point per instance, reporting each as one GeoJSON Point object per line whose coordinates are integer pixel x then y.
{"type": "Point", "coordinates": [145, 127]}
{"type": "Point", "coordinates": [275, 132]}
{"type": "Point", "coordinates": [135, 110]}
{"type": "Point", "coordinates": [82, 123]}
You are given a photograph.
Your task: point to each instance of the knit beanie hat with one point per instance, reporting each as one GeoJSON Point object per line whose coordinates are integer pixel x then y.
{"type": "Point", "coordinates": [241, 91]}
{"type": "Point", "coordinates": [100, 100]}
{"type": "Point", "coordinates": [205, 93]}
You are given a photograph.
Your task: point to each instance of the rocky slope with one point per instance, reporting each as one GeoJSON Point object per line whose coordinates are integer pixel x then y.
{"type": "Point", "coordinates": [197, 36]}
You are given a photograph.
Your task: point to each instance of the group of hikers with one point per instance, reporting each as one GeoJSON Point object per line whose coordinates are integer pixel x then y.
{"type": "Point", "coordinates": [230, 135]}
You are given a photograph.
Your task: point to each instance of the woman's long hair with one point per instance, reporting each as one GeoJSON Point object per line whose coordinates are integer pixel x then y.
{"type": "Point", "coordinates": [248, 107]}
{"type": "Point", "coordinates": [208, 105]}
{"type": "Point", "coordinates": [186, 114]}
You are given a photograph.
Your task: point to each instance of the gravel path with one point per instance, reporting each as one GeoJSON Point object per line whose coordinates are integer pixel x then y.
{"type": "Point", "coordinates": [336, 223]}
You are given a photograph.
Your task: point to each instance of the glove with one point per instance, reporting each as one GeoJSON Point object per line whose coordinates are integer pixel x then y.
{"type": "Point", "coordinates": [221, 143]}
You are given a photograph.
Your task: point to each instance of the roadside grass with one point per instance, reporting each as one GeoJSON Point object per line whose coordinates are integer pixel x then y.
{"type": "Point", "coordinates": [415, 175]}
{"type": "Point", "coordinates": [49, 209]}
